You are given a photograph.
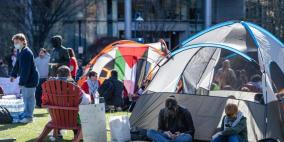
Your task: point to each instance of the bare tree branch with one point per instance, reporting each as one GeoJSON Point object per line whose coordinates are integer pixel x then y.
{"type": "Point", "coordinates": [36, 18]}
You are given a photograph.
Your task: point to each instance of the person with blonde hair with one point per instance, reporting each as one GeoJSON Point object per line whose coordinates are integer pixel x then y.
{"type": "Point", "coordinates": [234, 126]}
{"type": "Point", "coordinates": [26, 69]}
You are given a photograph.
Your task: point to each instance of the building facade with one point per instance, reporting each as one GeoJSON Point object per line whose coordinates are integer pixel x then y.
{"type": "Point", "coordinates": [151, 20]}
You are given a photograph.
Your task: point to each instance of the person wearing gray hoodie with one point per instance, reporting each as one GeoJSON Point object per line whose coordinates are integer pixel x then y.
{"type": "Point", "coordinates": [41, 63]}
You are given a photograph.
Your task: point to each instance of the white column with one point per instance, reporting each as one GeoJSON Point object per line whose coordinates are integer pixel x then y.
{"type": "Point", "coordinates": [208, 13]}
{"type": "Point", "coordinates": [127, 18]}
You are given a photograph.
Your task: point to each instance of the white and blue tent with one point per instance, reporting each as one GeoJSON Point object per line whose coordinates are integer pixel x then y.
{"type": "Point", "coordinates": [195, 63]}
{"type": "Point", "coordinates": [238, 37]}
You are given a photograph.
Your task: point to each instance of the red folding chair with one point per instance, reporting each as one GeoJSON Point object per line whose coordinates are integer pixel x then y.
{"type": "Point", "coordinates": [62, 101]}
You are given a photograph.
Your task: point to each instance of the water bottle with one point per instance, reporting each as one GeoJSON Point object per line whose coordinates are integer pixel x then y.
{"type": "Point", "coordinates": [97, 98]}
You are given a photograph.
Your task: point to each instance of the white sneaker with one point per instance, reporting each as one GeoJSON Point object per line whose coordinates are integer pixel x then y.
{"type": "Point", "coordinates": [26, 120]}
{"type": "Point", "coordinates": [51, 138]}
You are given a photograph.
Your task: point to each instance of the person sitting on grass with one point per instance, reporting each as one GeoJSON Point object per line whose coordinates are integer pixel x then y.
{"type": "Point", "coordinates": [112, 91]}
{"type": "Point", "coordinates": [91, 85]}
{"type": "Point", "coordinates": [234, 126]}
{"type": "Point", "coordinates": [174, 124]}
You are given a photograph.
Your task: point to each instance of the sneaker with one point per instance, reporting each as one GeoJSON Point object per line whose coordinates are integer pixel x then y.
{"type": "Point", "coordinates": [26, 120]}
{"type": "Point", "coordinates": [52, 138]}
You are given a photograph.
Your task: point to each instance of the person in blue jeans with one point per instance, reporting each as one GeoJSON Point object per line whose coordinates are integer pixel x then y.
{"type": "Point", "coordinates": [233, 127]}
{"type": "Point", "coordinates": [174, 124]}
{"type": "Point", "coordinates": [29, 77]}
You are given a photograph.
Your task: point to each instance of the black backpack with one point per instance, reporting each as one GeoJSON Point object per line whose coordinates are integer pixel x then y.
{"type": "Point", "coordinates": [5, 116]}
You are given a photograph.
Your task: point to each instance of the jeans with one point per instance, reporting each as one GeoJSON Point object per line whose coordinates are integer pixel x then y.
{"type": "Point", "coordinates": [161, 137]}
{"type": "Point", "coordinates": [29, 102]}
{"type": "Point", "coordinates": [232, 138]}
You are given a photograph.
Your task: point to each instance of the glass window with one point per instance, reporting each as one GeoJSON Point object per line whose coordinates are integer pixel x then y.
{"type": "Point", "coordinates": [120, 9]}
{"type": "Point", "coordinates": [155, 10]}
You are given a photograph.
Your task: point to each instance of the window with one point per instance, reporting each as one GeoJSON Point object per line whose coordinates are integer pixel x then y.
{"type": "Point", "coordinates": [178, 10]}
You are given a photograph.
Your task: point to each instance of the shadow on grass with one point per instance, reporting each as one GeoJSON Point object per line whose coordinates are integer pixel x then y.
{"type": "Point", "coordinates": [41, 115]}
{"type": "Point", "coordinates": [47, 140]}
{"type": "Point", "coordinates": [10, 126]}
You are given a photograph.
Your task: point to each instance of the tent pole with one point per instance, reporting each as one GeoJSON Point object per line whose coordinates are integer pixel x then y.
{"type": "Point", "coordinates": [266, 104]}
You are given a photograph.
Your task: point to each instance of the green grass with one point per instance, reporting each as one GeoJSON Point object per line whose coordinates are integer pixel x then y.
{"type": "Point", "coordinates": [29, 132]}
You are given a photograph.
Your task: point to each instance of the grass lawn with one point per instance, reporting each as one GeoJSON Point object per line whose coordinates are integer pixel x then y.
{"type": "Point", "coordinates": [29, 132]}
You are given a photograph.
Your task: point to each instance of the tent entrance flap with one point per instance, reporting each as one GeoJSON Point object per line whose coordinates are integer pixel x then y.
{"type": "Point", "coordinates": [199, 70]}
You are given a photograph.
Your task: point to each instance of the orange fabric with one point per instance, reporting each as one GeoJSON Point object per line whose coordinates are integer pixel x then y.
{"type": "Point", "coordinates": [120, 43]}
{"type": "Point", "coordinates": [104, 51]}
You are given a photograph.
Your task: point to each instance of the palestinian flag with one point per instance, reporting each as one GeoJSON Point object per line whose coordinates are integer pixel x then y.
{"type": "Point", "coordinates": [133, 62]}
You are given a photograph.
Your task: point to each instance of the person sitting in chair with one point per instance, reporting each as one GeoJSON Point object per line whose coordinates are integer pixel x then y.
{"type": "Point", "coordinates": [174, 124]}
{"type": "Point", "coordinates": [64, 73]}
{"type": "Point", "coordinates": [234, 126]}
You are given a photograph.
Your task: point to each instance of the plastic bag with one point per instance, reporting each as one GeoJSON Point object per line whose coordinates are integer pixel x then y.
{"type": "Point", "coordinates": [120, 128]}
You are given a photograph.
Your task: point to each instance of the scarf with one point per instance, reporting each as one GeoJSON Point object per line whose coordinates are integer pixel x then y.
{"type": "Point", "coordinates": [233, 123]}
{"type": "Point", "coordinates": [93, 86]}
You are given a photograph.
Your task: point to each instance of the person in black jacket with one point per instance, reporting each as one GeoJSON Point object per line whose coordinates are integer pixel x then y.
{"type": "Point", "coordinates": [174, 124]}
{"type": "Point", "coordinates": [112, 90]}
{"type": "Point", "coordinates": [59, 55]}
{"type": "Point", "coordinates": [29, 77]}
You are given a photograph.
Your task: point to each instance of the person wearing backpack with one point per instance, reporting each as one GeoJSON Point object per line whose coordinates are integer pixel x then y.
{"type": "Point", "coordinates": [112, 90]}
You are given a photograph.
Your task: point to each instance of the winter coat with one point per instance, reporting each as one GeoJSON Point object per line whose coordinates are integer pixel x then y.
{"type": "Point", "coordinates": [25, 68]}
{"type": "Point", "coordinates": [112, 90]}
{"type": "Point", "coordinates": [181, 123]}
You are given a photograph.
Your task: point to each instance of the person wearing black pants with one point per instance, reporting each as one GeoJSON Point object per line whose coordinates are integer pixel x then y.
{"type": "Point", "coordinates": [42, 65]}
{"type": "Point", "coordinates": [39, 92]}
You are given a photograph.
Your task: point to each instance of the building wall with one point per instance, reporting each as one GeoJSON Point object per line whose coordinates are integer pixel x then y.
{"type": "Point", "coordinates": [108, 20]}
{"type": "Point", "coordinates": [225, 10]}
